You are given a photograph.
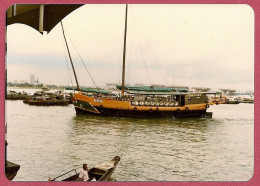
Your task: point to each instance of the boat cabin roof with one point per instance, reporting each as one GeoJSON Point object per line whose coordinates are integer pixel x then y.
{"type": "Point", "coordinates": [154, 93]}
{"type": "Point", "coordinates": [166, 93]}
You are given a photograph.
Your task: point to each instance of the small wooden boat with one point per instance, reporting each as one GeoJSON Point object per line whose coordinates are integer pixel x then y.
{"type": "Point", "coordinates": [101, 172]}
{"type": "Point", "coordinates": [232, 101]}
{"type": "Point", "coordinates": [11, 169]}
{"type": "Point", "coordinates": [44, 88]}
{"type": "Point", "coordinates": [46, 101]}
{"type": "Point", "coordinates": [12, 95]}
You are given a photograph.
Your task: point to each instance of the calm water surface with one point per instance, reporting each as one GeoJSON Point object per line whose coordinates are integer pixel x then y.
{"type": "Point", "coordinates": [48, 141]}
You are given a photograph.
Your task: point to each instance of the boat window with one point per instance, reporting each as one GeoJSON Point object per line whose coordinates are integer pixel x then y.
{"type": "Point", "coordinates": [182, 100]}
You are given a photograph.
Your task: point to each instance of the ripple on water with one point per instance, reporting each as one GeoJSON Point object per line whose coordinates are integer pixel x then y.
{"type": "Point", "coordinates": [55, 139]}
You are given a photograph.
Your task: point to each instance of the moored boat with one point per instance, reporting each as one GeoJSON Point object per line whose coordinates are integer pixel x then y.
{"type": "Point", "coordinates": [45, 88]}
{"type": "Point", "coordinates": [248, 101]}
{"type": "Point", "coordinates": [232, 100]}
{"type": "Point", "coordinates": [12, 95]}
{"type": "Point", "coordinates": [101, 172]}
{"type": "Point", "coordinates": [42, 101]}
{"type": "Point", "coordinates": [41, 98]}
{"type": "Point", "coordinates": [217, 101]}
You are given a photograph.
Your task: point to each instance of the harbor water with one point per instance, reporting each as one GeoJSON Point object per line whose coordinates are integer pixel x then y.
{"type": "Point", "coordinates": [48, 141]}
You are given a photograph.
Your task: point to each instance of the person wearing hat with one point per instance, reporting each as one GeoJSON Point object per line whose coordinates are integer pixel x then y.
{"type": "Point", "coordinates": [83, 175]}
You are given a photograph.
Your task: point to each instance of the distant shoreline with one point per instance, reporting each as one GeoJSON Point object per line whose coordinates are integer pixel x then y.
{"type": "Point", "coordinates": [31, 87]}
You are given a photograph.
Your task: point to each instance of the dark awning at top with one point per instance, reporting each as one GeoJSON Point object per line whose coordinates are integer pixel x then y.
{"type": "Point", "coordinates": [39, 17]}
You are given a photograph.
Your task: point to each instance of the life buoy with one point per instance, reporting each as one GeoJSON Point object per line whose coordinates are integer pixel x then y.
{"type": "Point", "coordinates": [187, 108]}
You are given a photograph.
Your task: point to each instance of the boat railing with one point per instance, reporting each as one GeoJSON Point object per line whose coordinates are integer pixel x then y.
{"type": "Point", "coordinates": [155, 103]}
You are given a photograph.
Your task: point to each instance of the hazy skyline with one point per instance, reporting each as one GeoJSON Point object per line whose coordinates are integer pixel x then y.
{"type": "Point", "coordinates": [192, 45]}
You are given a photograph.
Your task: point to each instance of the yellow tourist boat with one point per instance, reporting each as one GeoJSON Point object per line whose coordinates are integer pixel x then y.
{"type": "Point", "coordinates": [139, 104]}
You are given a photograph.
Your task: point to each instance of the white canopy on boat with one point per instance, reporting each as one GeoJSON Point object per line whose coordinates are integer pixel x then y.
{"type": "Point", "coordinates": [106, 166]}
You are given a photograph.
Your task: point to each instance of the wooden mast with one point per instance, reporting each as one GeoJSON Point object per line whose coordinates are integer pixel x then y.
{"type": "Point", "coordinates": [124, 54]}
{"type": "Point", "coordinates": [70, 58]}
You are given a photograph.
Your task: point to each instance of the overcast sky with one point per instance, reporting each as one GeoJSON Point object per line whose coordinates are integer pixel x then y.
{"type": "Point", "coordinates": [190, 45]}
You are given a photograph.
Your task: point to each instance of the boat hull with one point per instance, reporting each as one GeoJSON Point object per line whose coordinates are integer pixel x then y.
{"type": "Point", "coordinates": [11, 169]}
{"type": "Point", "coordinates": [142, 114]}
{"type": "Point", "coordinates": [123, 108]}
{"type": "Point", "coordinates": [232, 102]}
{"type": "Point", "coordinates": [98, 173]}
{"type": "Point", "coordinates": [47, 103]}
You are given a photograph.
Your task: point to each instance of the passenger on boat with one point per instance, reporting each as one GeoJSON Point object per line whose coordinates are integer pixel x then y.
{"type": "Point", "coordinates": [83, 175]}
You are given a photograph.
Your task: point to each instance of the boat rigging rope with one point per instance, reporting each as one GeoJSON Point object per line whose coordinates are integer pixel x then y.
{"type": "Point", "coordinates": [119, 75]}
{"type": "Point", "coordinates": [67, 62]}
{"type": "Point", "coordinates": [130, 53]}
{"type": "Point", "coordinates": [144, 63]}
{"type": "Point", "coordinates": [82, 61]}
{"type": "Point", "coordinates": [156, 61]}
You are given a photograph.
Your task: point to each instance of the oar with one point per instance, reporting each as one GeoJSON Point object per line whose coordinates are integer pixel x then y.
{"type": "Point", "coordinates": [61, 175]}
